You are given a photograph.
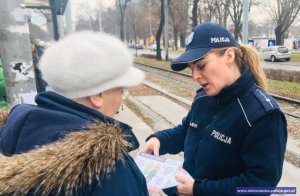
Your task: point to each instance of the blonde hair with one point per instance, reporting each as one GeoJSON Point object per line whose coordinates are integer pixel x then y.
{"type": "Point", "coordinates": [246, 55]}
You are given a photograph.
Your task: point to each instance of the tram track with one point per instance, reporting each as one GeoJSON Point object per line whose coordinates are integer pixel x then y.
{"type": "Point", "coordinates": [146, 67]}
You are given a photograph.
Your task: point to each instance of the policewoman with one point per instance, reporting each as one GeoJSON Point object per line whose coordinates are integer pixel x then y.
{"type": "Point", "coordinates": [235, 133]}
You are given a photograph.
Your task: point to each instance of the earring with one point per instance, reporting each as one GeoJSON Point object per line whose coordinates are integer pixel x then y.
{"type": "Point", "coordinates": [122, 108]}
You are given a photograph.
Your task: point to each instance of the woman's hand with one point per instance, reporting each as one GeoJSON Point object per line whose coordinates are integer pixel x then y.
{"type": "Point", "coordinates": [152, 146]}
{"type": "Point", "coordinates": [186, 187]}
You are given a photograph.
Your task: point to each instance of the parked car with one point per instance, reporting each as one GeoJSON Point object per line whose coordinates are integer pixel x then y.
{"type": "Point", "coordinates": [274, 53]}
{"type": "Point", "coordinates": [139, 46]}
{"type": "Point", "coordinates": [130, 45]}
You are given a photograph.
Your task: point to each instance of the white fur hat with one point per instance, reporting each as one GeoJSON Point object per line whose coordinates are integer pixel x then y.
{"type": "Point", "coordinates": [88, 63]}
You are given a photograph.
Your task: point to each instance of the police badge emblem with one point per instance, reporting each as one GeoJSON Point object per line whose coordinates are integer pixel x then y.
{"type": "Point", "coordinates": [189, 38]}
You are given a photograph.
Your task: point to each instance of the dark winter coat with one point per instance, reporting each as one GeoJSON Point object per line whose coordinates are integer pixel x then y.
{"type": "Point", "coordinates": [60, 147]}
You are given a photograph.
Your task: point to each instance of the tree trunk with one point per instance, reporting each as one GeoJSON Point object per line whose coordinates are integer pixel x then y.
{"type": "Point", "coordinates": [159, 31]}
{"type": "Point", "coordinates": [279, 36]}
{"type": "Point", "coordinates": [122, 29]}
{"type": "Point", "coordinates": [236, 33]}
{"type": "Point", "coordinates": [175, 38]}
{"type": "Point", "coordinates": [122, 9]}
{"type": "Point", "coordinates": [195, 14]}
{"type": "Point", "coordinates": [182, 40]}
{"type": "Point", "coordinates": [226, 13]}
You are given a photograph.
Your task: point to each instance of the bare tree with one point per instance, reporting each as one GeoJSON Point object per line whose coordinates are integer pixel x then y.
{"type": "Point", "coordinates": [153, 16]}
{"type": "Point", "coordinates": [89, 14]}
{"type": "Point", "coordinates": [284, 14]}
{"type": "Point", "coordinates": [215, 11]}
{"type": "Point", "coordinates": [109, 21]}
{"type": "Point", "coordinates": [209, 13]}
{"type": "Point", "coordinates": [99, 9]}
{"type": "Point", "coordinates": [122, 8]}
{"type": "Point", "coordinates": [160, 29]}
{"type": "Point", "coordinates": [226, 4]}
{"type": "Point", "coordinates": [91, 17]}
{"type": "Point", "coordinates": [221, 11]}
{"type": "Point", "coordinates": [235, 12]}
{"type": "Point", "coordinates": [136, 24]}
{"type": "Point", "coordinates": [179, 18]}
{"type": "Point", "coordinates": [195, 13]}
{"type": "Point", "coordinates": [82, 24]}
{"type": "Point", "coordinates": [258, 29]}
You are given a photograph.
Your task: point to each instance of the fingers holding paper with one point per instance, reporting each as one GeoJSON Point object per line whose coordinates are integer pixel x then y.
{"type": "Point", "coordinates": [186, 187]}
{"type": "Point", "coordinates": [152, 146]}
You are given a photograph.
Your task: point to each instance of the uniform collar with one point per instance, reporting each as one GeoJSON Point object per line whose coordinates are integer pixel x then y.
{"type": "Point", "coordinates": [55, 101]}
{"type": "Point", "coordinates": [237, 89]}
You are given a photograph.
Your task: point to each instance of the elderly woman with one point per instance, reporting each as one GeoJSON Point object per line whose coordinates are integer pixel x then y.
{"type": "Point", "coordinates": [69, 144]}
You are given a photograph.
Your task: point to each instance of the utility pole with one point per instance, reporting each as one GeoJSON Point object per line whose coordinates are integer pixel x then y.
{"type": "Point", "coordinates": [52, 5]}
{"type": "Point", "coordinates": [60, 25]}
{"type": "Point", "coordinates": [100, 7]}
{"type": "Point", "coordinates": [15, 51]}
{"type": "Point", "coordinates": [135, 30]}
{"type": "Point", "coordinates": [245, 21]}
{"type": "Point", "coordinates": [166, 14]}
{"type": "Point", "coordinates": [117, 19]}
{"type": "Point", "coordinates": [100, 21]}
{"type": "Point", "coordinates": [68, 15]}
{"type": "Point", "coordinates": [150, 17]}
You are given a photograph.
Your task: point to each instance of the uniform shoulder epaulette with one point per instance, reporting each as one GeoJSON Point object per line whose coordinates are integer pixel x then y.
{"type": "Point", "coordinates": [267, 101]}
{"type": "Point", "coordinates": [257, 103]}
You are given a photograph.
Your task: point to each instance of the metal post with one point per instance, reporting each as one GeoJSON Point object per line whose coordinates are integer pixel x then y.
{"type": "Point", "coordinates": [245, 21]}
{"type": "Point", "coordinates": [54, 19]}
{"type": "Point", "coordinates": [68, 15]}
{"type": "Point", "coordinates": [166, 14]}
{"type": "Point", "coordinates": [135, 30]}
{"type": "Point", "coordinates": [117, 19]}
{"type": "Point", "coordinates": [60, 25]}
{"type": "Point", "coordinates": [150, 17]}
{"type": "Point", "coordinates": [15, 51]}
{"type": "Point", "coordinates": [100, 21]}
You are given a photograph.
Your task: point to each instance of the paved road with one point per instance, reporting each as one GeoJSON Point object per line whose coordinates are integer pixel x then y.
{"type": "Point", "coordinates": [294, 66]}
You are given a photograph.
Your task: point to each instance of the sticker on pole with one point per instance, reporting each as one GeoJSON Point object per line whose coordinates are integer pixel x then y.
{"type": "Point", "coordinates": [22, 70]}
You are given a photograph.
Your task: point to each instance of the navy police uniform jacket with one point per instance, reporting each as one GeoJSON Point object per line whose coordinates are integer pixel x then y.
{"type": "Point", "coordinates": [54, 117]}
{"type": "Point", "coordinates": [235, 139]}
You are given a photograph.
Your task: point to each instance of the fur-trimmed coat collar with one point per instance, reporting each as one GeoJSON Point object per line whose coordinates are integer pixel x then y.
{"type": "Point", "coordinates": [64, 165]}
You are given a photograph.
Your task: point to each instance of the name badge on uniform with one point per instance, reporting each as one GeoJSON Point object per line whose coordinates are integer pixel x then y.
{"type": "Point", "coordinates": [192, 124]}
